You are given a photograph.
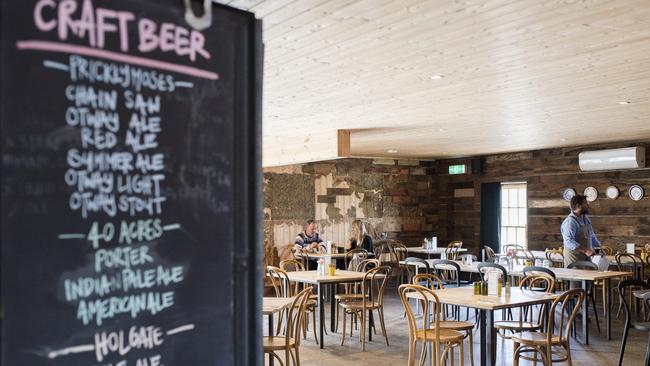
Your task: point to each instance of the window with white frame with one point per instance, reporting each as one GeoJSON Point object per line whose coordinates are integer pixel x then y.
{"type": "Point", "coordinates": [514, 212]}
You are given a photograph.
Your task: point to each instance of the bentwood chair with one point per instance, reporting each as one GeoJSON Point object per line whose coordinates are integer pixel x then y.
{"type": "Point", "coordinates": [354, 255]}
{"type": "Point", "coordinates": [605, 250]}
{"type": "Point", "coordinates": [414, 266]}
{"type": "Point", "coordinates": [433, 282]}
{"type": "Point", "coordinates": [625, 288]}
{"type": "Point", "coordinates": [555, 257]}
{"type": "Point", "coordinates": [589, 266]}
{"type": "Point", "coordinates": [290, 343]}
{"type": "Point", "coordinates": [284, 288]}
{"type": "Point", "coordinates": [372, 290]}
{"type": "Point", "coordinates": [453, 249]}
{"type": "Point", "coordinates": [551, 346]}
{"type": "Point", "coordinates": [529, 283]}
{"type": "Point", "coordinates": [431, 330]}
{"type": "Point", "coordinates": [627, 262]}
{"type": "Point", "coordinates": [488, 254]}
{"type": "Point", "coordinates": [449, 272]}
{"type": "Point", "coordinates": [353, 291]}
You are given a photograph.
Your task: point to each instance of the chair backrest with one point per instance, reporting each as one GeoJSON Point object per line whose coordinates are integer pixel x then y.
{"type": "Point", "coordinates": [399, 250]}
{"type": "Point", "coordinates": [556, 257]}
{"type": "Point", "coordinates": [523, 255]}
{"type": "Point", "coordinates": [447, 270]}
{"type": "Point", "coordinates": [563, 319]}
{"type": "Point", "coordinates": [485, 267]}
{"type": "Point", "coordinates": [291, 265]}
{"type": "Point", "coordinates": [586, 265]}
{"type": "Point", "coordinates": [541, 282]}
{"type": "Point", "coordinates": [508, 247]}
{"type": "Point", "coordinates": [624, 288]}
{"type": "Point", "coordinates": [428, 280]}
{"type": "Point", "coordinates": [384, 252]}
{"type": "Point", "coordinates": [430, 305]}
{"type": "Point", "coordinates": [604, 249]}
{"type": "Point", "coordinates": [488, 253]}
{"type": "Point", "coordinates": [367, 264]}
{"type": "Point", "coordinates": [416, 265]}
{"type": "Point", "coordinates": [535, 270]}
{"type": "Point", "coordinates": [375, 279]}
{"type": "Point", "coordinates": [627, 262]}
{"type": "Point", "coordinates": [453, 249]}
{"type": "Point", "coordinates": [359, 253]}
{"type": "Point", "coordinates": [296, 316]}
{"type": "Point", "coordinates": [280, 281]}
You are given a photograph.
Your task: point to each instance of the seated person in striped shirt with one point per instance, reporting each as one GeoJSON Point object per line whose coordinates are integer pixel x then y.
{"type": "Point", "coordinates": [308, 238]}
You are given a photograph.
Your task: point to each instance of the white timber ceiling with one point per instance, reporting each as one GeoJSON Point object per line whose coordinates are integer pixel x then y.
{"type": "Point", "coordinates": [436, 79]}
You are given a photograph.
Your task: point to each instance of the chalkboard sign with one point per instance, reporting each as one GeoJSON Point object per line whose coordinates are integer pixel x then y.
{"type": "Point", "coordinates": [130, 184]}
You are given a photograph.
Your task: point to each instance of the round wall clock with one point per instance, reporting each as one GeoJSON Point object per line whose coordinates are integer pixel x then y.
{"type": "Point", "coordinates": [612, 192]}
{"type": "Point", "coordinates": [568, 194]}
{"type": "Point", "coordinates": [591, 193]}
{"type": "Point", "coordinates": [636, 192]}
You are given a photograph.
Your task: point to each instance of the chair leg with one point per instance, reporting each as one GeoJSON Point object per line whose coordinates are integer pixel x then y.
{"type": "Point", "coordinates": [471, 347]}
{"type": "Point", "coordinates": [623, 343]}
{"type": "Point", "coordinates": [313, 315]}
{"type": "Point", "coordinates": [344, 321]}
{"type": "Point", "coordinates": [423, 353]}
{"type": "Point", "coordinates": [411, 357]}
{"type": "Point", "coordinates": [515, 361]}
{"type": "Point", "coordinates": [383, 325]}
{"type": "Point", "coordinates": [363, 331]}
{"type": "Point", "coordinates": [461, 354]}
{"type": "Point", "coordinates": [593, 306]}
{"type": "Point", "coordinates": [647, 354]}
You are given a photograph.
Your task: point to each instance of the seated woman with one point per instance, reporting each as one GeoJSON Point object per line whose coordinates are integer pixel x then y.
{"type": "Point", "coordinates": [359, 238]}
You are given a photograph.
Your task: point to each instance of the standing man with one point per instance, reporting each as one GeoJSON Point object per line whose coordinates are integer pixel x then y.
{"type": "Point", "coordinates": [577, 232]}
{"type": "Point", "coordinates": [308, 238]}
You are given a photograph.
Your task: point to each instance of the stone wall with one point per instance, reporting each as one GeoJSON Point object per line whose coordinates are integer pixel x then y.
{"type": "Point", "coordinates": [389, 196]}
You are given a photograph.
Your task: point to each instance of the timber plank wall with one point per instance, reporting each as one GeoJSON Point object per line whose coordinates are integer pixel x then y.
{"type": "Point", "coordinates": [547, 173]}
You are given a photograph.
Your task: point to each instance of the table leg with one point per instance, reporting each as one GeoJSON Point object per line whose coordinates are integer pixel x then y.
{"type": "Point", "coordinates": [492, 339]}
{"type": "Point", "coordinates": [332, 307]}
{"type": "Point", "coordinates": [371, 320]}
{"type": "Point", "coordinates": [271, 334]}
{"type": "Point", "coordinates": [483, 335]}
{"type": "Point", "coordinates": [585, 307]}
{"type": "Point", "coordinates": [321, 313]}
{"type": "Point", "coordinates": [608, 307]}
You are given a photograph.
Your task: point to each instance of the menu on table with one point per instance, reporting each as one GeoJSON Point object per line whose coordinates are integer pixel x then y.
{"type": "Point", "coordinates": [128, 177]}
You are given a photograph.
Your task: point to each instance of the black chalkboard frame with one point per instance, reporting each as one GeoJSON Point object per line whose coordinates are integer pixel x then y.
{"type": "Point", "coordinates": [247, 212]}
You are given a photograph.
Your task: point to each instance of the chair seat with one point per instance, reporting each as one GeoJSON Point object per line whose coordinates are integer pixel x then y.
{"type": "Point", "coordinates": [345, 297]}
{"type": "Point", "coordinates": [456, 325]}
{"type": "Point", "coordinates": [643, 326]}
{"type": "Point", "coordinates": [277, 343]}
{"type": "Point", "coordinates": [516, 325]}
{"type": "Point", "coordinates": [446, 335]}
{"type": "Point", "coordinates": [534, 338]}
{"type": "Point", "coordinates": [358, 305]}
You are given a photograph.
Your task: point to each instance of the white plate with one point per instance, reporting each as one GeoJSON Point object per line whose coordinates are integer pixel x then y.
{"type": "Point", "coordinates": [612, 192]}
{"type": "Point", "coordinates": [568, 194]}
{"type": "Point", "coordinates": [591, 193]}
{"type": "Point", "coordinates": [636, 192]}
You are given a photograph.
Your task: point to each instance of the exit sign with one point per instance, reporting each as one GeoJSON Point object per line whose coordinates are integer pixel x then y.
{"type": "Point", "coordinates": [457, 169]}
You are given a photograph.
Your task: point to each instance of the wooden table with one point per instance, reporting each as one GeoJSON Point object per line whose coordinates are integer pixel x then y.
{"type": "Point", "coordinates": [430, 252]}
{"type": "Point", "coordinates": [566, 274]}
{"type": "Point", "coordinates": [270, 306]}
{"type": "Point", "coordinates": [312, 278]}
{"type": "Point", "coordinates": [464, 296]}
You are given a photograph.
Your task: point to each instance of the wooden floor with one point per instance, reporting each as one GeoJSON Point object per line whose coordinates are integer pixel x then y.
{"type": "Point", "coordinates": [598, 353]}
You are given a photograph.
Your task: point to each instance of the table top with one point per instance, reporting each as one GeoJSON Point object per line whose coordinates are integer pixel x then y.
{"type": "Point", "coordinates": [560, 273]}
{"type": "Point", "coordinates": [271, 305]}
{"type": "Point", "coordinates": [312, 277]}
{"type": "Point", "coordinates": [464, 296]}
{"type": "Point", "coordinates": [438, 250]}
{"type": "Point", "coordinates": [323, 255]}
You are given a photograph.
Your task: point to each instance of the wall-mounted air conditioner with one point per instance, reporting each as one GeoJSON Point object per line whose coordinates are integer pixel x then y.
{"type": "Point", "coordinates": [626, 158]}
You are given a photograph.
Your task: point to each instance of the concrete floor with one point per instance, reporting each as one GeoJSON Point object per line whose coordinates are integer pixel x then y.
{"type": "Point", "coordinates": [599, 352]}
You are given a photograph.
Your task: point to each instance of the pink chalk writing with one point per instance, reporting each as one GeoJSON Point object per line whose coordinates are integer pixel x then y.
{"type": "Point", "coordinates": [98, 26]}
